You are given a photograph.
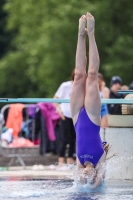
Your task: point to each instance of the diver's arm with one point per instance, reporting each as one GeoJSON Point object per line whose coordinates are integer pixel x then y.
{"type": "Point", "coordinates": [100, 171]}
{"type": "Point", "coordinates": [97, 182]}
{"type": "Point", "coordinates": [100, 177]}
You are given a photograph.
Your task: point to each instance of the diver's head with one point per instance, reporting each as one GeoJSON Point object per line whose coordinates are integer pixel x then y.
{"type": "Point", "coordinates": [89, 171]}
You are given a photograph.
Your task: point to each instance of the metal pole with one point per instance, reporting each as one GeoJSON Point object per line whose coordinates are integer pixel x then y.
{"type": "Point", "coordinates": [52, 100]}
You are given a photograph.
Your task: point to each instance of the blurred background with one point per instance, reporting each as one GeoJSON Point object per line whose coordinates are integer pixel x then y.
{"type": "Point", "coordinates": [38, 43]}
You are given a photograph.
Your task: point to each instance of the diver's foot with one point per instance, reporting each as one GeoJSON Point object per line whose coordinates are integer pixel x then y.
{"type": "Point", "coordinates": [82, 24]}
{"type": "Point", "coordinates": [90, 23]}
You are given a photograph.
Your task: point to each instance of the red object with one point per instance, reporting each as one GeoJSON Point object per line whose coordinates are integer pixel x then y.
{"type": "Point", "coordinates": [36, 141]}
{"type": "Point", "coordinates": [15, 118]}
{"type": "Point", "coordinates": [21, 142]}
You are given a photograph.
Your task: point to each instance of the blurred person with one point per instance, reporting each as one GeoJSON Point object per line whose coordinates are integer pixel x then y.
{"type": "Point", "coordinates": [131, 86]}
{"type": "Point", "coordinates": [104, 93]}
{"type": "Point", "coordinates": [67, 132]}
{"type": "Point", "coordinates": [102, 86]}
{"type": "Point", "coordinates": [124, 87]}
{"type": "Point", "coordinates": [86, 106]}
{"type": "Point", "coordinates": [115, 85]}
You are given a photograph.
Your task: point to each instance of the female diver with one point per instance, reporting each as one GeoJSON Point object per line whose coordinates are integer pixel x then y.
{"type": "Point", "coordinates": [86, 104]}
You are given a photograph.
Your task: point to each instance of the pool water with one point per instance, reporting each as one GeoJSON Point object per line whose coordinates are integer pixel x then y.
{"type": "Point", "coordinates": [49, 189]}
{"type": "Point", "coordinates": [60, 189]}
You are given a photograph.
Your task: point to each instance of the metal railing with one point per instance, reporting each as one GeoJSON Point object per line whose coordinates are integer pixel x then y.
{"type": "Point", "coordinates": [52, 100]}
{"type": "Point", "coordinates": [16, 153]}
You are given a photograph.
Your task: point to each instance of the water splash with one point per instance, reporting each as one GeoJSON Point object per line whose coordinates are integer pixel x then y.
{"type": "Point", "coordinates": [69, 189]}
{"type": "Point", "coordinates": [113, 168]}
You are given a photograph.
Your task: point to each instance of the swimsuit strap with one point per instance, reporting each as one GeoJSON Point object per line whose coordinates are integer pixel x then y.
{"type": "Point", "coordinates": [104, 143]}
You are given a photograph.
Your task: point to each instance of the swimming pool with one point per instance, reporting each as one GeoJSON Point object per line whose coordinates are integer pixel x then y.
{"type": "Point", "coordinates": [50, 189]}
{"type": "Point", "coordinates": [49, 185]}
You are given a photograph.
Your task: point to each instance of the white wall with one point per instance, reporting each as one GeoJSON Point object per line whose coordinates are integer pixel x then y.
{"type": "Point", "coordinates": [121, 139]}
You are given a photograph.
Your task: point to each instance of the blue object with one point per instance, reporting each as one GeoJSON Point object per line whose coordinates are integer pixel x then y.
{"type": "Point", "coordinates": [125, 91]}
{"type": "Point", "coordinates": [115, 79]}
{"type": "Point", "coordinates": [104, 110]}
{"type": "Point", "coordinates": [52, 100]}
{"type": "Point", "coordinates": [88, 141]}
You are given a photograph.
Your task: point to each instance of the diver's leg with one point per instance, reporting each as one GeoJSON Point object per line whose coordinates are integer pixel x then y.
{"type": "Point", "coordinates": [92, 97]}
{"type": "Point", "coordinates": [78, 90]}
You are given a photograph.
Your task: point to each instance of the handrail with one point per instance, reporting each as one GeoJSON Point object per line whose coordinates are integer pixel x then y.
{"type": "Point", "coordinates": [52, 100]}
{"type": "Point", "coordinates": [125, 91]}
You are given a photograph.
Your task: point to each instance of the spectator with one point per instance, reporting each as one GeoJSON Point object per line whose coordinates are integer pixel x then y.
{"type": "Point", "coordinates": [124, 87]}
{"type": "Point", "coordinates": [131, 86]}
{"type": "Point", "coordinates": [115, 85]}
{"type": "Point", "coordinates": [67, 132]}
{"type": "Point", "coordinates": [104, 93]}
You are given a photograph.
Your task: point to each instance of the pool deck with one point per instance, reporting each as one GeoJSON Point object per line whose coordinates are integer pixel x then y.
{"type": "Point", "coordinates": [18, 173]}
{"type": "Point", "coordinates": [36, 172]}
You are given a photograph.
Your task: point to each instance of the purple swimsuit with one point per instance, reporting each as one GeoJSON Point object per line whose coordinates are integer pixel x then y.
{"type": "Point", "coordinates": [88, 142]}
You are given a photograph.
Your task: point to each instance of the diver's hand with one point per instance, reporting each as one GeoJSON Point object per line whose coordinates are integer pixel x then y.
{"type": "Point", "coordinates": [97, 182]}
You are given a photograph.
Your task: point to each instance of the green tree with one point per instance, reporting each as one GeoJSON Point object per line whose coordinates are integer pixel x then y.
{"type": "Point", "coordinates": [45, 46]}
{"type": "Point", "coordinates": [5, 36]}
{"type": "Point", "coordinates": [43, 51]}
{"type": "Point", "coordinates": [115, 39]}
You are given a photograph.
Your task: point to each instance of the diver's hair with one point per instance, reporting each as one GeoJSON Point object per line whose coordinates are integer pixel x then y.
{"type": "Point", "coordinates": [107, 148]}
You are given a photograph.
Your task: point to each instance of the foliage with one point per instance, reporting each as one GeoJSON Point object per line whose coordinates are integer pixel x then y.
{"type": "Point", "coordinates": [5, 36]}
{"type": "Point", "coordinates": [43, 49]}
